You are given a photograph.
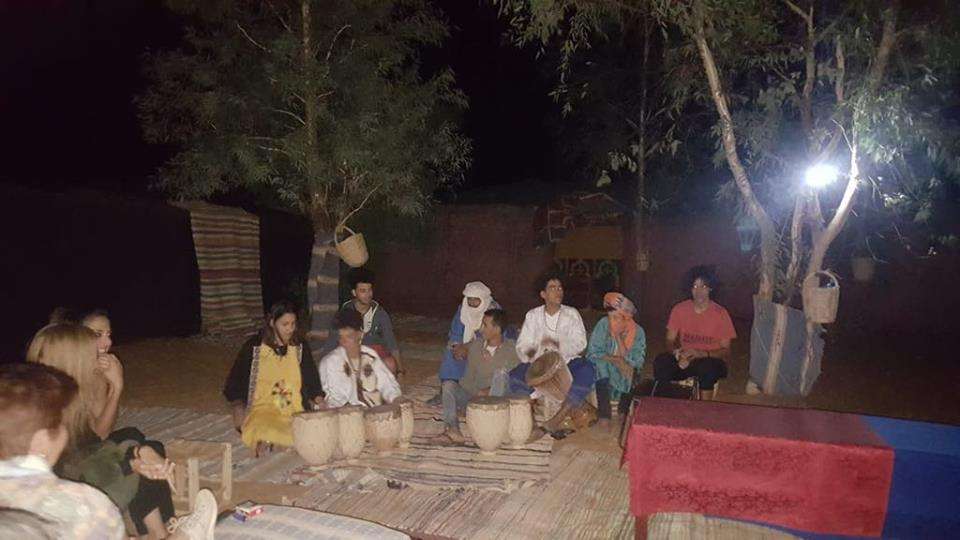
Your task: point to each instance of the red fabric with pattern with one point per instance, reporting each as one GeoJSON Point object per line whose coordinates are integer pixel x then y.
{"type": "Point", "coordinates": [809, 470]}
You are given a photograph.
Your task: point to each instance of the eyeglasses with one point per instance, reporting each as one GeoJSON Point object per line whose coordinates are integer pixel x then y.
{"type": "Point", "coordinates": [701, 286]}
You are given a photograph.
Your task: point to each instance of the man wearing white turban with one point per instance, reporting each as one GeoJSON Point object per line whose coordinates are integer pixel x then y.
{"type": "Point", "coordinates": [464, 328]}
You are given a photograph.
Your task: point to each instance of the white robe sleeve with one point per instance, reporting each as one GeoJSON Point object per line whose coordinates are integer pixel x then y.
{"type": "Point", "coordinates": [386, 383]}
{"type": "Point", "coordinates": [574, 341]}
{"type": "Point", "coordinates": [336, 385]}
{"type": "Point", "coordinates": [529, 338]}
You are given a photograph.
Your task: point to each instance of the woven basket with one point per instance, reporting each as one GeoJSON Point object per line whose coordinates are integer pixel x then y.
{"type": "Point", "coordinates": [353, 248]}
{"type": "Point", "coordinates": [820, 303]}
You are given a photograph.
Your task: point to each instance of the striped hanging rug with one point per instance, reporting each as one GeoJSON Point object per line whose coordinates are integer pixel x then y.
{"type": "Point", "coordinates": [227, 244]}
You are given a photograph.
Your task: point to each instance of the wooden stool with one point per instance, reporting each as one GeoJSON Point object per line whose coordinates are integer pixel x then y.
{"type": "Point", "coordinates": [188, 455]}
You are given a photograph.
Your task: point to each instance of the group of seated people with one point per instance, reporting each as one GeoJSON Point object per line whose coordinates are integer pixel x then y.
{"type": "Point", "coordinates": [274, 376]}
{"type": "Point", "coordinates": [65, 472]}
{"type": "Point", "coordinates": [65, 468]}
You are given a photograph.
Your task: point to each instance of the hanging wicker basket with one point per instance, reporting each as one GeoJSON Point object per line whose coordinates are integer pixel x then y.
{"type": "Point", "coordinates": [820, 302]}
{"type": "Point", "coordinates": [353, 248]}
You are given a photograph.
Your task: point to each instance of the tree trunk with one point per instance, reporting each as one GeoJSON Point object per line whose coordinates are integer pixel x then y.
{"type": "Point", "coordinates": [639, 226]}
{"type": "Point", "coordinates": [323, 289]}
{"type": "Point", "coordinates": [768, 233]}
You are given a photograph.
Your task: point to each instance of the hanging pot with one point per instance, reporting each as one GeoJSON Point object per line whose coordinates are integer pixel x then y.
{"type": "Point", "coordinates": [820, 302]}
{"type": "Point", "coordinates": [353, 248]}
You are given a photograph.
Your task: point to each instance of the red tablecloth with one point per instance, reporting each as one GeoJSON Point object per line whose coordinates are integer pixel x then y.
{"type": "Point", "coordinates": [809, 470]}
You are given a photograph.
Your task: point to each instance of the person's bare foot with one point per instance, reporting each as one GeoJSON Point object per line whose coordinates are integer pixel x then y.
{"type": "Point", "coordinates": [263, 449]}
{"type": "Point", "coordinates": [605, 425]}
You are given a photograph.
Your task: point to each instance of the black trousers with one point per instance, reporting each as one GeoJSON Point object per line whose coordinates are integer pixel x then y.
{"type": "Point", "coordinates": [603, 400]}
{"type": "Point", "coordinates": [151, 494]}
{"type": "Point", "coordinates": [707, 370]}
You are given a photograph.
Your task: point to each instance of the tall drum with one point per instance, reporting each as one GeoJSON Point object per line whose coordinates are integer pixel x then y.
{"type": "Point", "coordinates": [382, 426]}
{"type": "Point", "coordinates": [315, 435]}
{"type": "Point", "coordinates": [406, 421]}
{"type": "Point", "coordinates": [488, 419]}
{"type": "Point", "coordinates": [352, 436]}
{"type": "Point", "coordinates": [521, 422]}
{"type": "Point", "coordinates": [550, 375]}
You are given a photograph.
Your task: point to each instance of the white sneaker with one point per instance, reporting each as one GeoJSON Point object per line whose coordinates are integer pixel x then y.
{"type": "Point", "coordinates": [199, 525]}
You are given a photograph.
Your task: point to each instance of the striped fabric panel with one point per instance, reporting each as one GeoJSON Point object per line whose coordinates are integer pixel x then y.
{"type": "Point", "coordinates": [227, 245]}
{"type": "Point", "coordinates": [323, 291]}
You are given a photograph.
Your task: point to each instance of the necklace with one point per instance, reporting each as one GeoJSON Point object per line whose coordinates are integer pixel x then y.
{"type": "Point", "coordinates": [547, 324]}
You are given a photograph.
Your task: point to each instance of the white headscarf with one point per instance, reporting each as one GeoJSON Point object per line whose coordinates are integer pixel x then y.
{"type": "Point", "coordinates": [472, 317]}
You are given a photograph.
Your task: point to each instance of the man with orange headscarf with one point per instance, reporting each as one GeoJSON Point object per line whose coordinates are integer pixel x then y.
{"type": "Point", "coordinates": [616, 349]}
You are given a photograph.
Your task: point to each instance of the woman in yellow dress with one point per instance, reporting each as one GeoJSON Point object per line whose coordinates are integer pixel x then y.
{"type": "Point", "coordinates": [273, 378]}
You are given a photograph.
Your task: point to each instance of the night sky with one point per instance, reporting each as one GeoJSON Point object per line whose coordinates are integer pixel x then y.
{"type": "Point", "coordinates": [70, 69]}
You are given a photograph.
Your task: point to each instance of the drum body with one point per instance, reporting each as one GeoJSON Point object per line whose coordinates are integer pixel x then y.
{"type": "Point", "coordinates": [488, 419]}
{"type": "Point", "coordinates": [406, 421]}
{"type": "Point", "coordinates": [521, 422]}
{"type": "Point", "coordinates": [382, 427]}
{"type": "Point", "coordinates": [550, 375]}
{"type": "Point", "coordinates": [316, 435]}
{"type": "Point", "coordinates": [352, 431]}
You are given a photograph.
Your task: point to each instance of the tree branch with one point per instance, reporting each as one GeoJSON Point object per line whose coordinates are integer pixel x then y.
{"type": "Point", "coordinates": [334, 41]}
{"type": "Point", "coordinates": [250, 39]}
{"type": "Point", "coordinates": [288, 113]}
{"type": "Point", "coordinates": [796, 9]}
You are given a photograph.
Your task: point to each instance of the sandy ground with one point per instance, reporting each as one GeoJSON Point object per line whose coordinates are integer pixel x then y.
{"type": "Point", "coordinates": [869, 376]}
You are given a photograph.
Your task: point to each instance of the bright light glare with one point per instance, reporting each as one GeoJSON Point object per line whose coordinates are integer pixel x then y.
{"type": "Point", "coordinates": [821, 175]}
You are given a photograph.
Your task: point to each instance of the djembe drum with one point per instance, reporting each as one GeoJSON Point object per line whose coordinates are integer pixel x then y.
{"type": "Point", "coordinates": [521, 422]}
{"type": "Point", "coordinates": [550, 375]}
{"type": "Point", "coordinates": [382, 426]}
{"type": "Point", "coordinates": [352, 436]}
{"type": "Point", "coordinates": [315, 435]}
{"type": "Point", "coordinates": [406, 421]}
{"type": "Point", "coordinates": [488, 419]}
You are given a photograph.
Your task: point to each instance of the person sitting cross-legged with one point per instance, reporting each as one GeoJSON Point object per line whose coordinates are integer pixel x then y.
{"type": "Point", "coordinates": [352, 373]}
{"type": "Point", "coordinates": [554, 327]}
{"type": "Point", "coordinates": [489, 360]}
{"type": "Point", "coordinates": [617, 348]}
{"type": "Point", "coordinates": [272, 379]}
{"type": "Point", "coordinates": [704, 331]}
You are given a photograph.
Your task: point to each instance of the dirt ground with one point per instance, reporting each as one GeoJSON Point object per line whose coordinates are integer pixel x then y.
{"type": "Point", "coordinates": [878, 376]}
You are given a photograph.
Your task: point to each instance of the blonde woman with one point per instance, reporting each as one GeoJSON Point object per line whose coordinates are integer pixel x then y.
{"type": "Point", "coordinates": [131, 470]}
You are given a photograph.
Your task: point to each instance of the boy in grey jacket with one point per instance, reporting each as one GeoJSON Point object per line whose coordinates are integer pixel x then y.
{"type": "Point", "coordinates": [377, 327]}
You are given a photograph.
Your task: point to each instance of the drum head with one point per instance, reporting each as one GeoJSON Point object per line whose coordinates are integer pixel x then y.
{"type": "Point", "coordinates": [487, 401]}
{"type": "Point", "coordinates": [350, 409]}
{"type": "Point", "coordinates": [317, 414]}
{"type": "Point", "coordinates": [384, 410]}
{"type": "Point", "coordinates": [544, 368]}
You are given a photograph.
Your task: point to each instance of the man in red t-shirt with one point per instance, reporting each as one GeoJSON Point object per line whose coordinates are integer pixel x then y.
{"type": "Point", "coordinates": [698, 333]}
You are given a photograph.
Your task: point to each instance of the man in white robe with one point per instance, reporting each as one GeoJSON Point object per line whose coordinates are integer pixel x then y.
{"type": "Point", "coordinates": [554, 327]}
{"type": "Point", "coordinates": [353, 374]}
